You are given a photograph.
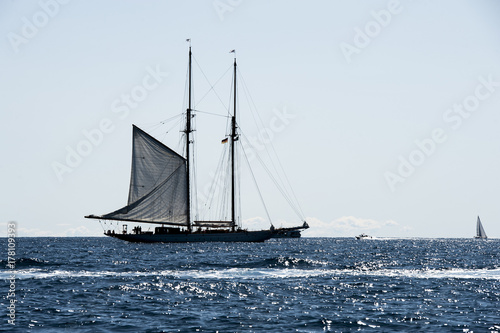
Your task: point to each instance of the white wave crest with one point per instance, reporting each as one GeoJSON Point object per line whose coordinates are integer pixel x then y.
{"type": "Point", "coordinates": [260, 273]}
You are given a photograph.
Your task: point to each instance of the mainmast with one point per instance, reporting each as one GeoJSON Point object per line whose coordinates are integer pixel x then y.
{"type": "Point", "coordinates": [234, 137]}
{"type": "Point", "coordinates": [188, 142]}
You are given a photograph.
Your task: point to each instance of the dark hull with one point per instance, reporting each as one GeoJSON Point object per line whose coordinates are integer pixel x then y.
{"type": "Point", "coordinates": [239, 236]}
{"type": "Point", "coordinates": [287, 234]}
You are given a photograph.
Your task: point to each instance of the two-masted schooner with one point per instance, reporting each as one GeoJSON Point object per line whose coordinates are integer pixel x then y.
{"type": "Point", "coordinates": [159, 192]}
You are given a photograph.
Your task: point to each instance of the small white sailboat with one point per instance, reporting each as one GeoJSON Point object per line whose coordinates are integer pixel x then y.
{"type": "Point", "coordinates": [480, 233]}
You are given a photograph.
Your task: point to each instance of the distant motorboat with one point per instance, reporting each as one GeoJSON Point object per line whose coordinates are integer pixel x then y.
{"type": "Point", "coordinates": [480, 233]}
{"type": "Point", "coordinates": [364, 236]}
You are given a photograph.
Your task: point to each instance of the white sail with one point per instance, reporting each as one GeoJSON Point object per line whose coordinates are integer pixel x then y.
{"type": "Point", "coordinates": [158, 186]}
{"type": "Point", "coordinates": [480, 233]}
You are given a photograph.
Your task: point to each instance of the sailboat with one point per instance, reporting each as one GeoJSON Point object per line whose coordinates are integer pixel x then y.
{"type": "Point", "coordinates": [160, 194]}
{"type": "Point", "coordinates": [480, 233]}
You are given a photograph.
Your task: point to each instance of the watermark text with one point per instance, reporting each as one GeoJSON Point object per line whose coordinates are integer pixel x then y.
{"type": "Point", "coordinates": [11, 265]}
{"type": "Point", "coordinates": [222, 7]}
{"type": "Point", "coordinates": [453, 117]}
{"type": "Point", "coordinates": [364, 36]}
{"type": "Point", "coordinates": [31, 26]}
{"type": "Point", "coordinates": [121, 107]}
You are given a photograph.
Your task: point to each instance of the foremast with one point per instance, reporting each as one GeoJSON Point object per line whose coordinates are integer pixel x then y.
{"type": "Point", "coordinates": [188, 142]}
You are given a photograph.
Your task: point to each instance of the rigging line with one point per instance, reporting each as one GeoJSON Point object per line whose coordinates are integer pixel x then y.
{"type": "Point", "coordinates": [282, 191]}
{"type": "Point", "coordinates": [100, 222]}
{"type": "Point", "coordinates": [186, 92]}
{"type": "Point", "coordinates": [229, 117]}
{"type": "Point", "coordinates": [276, 183]}
{"type": "Point", "coordinates": [216, 180]}
{"type": "Point", "coordinates": [287, 183]}
{"type": "Point", "coordinates": [216, 189]}
{"type": "Point", "coordinates": [169, 129]}
{"type": "Point", "coordinates": [256, 113]}
{"type": "Point", "coordinates": [238, 184]}
{"type": "Point", "coordinates": [211, 113]}
{"type": "Point", "coordinates": [256, 185]}
{"type": "Point", "coordinates": [171, 118]}
{"type": "Point", "coordinates": [250, 98]}
{"type": "Point", "coordinates": [174, 125]}
{"type": "Point", "coordinates": [181, 144]}
{"type": "Point", "coordinates": [281, 185]}
{"type": "Point", "coordinates": [149, 127]}
{"type": "Point", "coordinates": [225, 193]}
{"type": "Point", "coordinates": [195, 180]}
{"type": "Point", "coordinates": [212, 87]}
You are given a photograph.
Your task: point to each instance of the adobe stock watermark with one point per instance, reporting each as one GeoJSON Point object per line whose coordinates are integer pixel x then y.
{"type": "Point", "coordinates": [280, 120]}
{"type": "Point", "coordinates": [11, 266]}
{"type": "Point", "coordinates": [120, 108]}
{"type": "Point", "coordinates": [225, 6]}
{"type": "Point", "coordinates": [31, 26]}
{"type": "Point", "coordinates": [453, 117]}
{"type": "Point", "coordinates": [254, 144]}
{"type": "Point", "coordinates": [371, 30]}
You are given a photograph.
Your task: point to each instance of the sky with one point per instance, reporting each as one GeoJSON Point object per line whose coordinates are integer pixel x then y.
{"type": "Point", "coordinates": [384, 114]}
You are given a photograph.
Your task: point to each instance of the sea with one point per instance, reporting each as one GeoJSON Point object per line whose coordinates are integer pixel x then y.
{"type": "Point", "coordinates": [101, 284]}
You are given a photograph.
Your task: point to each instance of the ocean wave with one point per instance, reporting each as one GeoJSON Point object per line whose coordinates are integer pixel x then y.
{"type": "Point", "coordinates": [27, 262]}
{"type": "Point", "coordinates": [285, 262]}
{"type": "Point", "coordinates": [260, 273]}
